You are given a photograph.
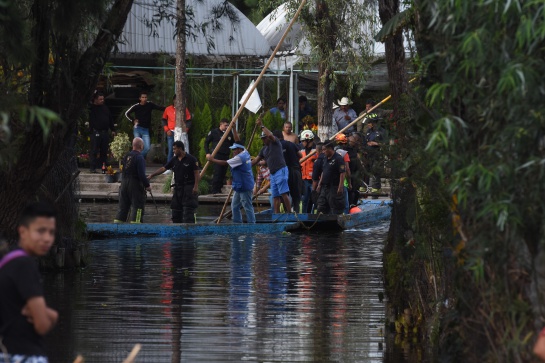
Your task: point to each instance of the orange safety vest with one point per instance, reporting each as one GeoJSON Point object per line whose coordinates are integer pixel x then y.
{"type": "Point", "coordinates": [308, 165]}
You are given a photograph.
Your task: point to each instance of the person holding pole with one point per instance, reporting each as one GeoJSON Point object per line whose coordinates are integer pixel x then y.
{"type": "Point", "coordinates": [243, 182]}
{"type": "Point", "coordinates": [344, 115]}
{"type": "Point", "coordinates": [185, 199]}
{"type": "Point", "coordinates": [272, 152]}
{"type": "Point", "coordinates": [331, 185]}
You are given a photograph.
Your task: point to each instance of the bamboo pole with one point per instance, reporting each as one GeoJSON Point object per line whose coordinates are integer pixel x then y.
{"type": "Point", "coordinates": [356, 120]}
{"type": "Point", "coordinates": [218, 220]}
{"type": "Point", "coordinates": [256, 83]}
{"type": "Point", "coordinates": [133, 354]}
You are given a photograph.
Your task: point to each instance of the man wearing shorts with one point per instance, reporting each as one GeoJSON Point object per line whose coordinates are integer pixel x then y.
{"type": "Point", "coordinates": [273, 154]}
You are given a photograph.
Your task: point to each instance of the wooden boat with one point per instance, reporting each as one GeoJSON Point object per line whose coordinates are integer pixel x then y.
{"type": "Point", "coordinates": [184, 229]}
{"type": "Point", "coordinates": [371, 211]}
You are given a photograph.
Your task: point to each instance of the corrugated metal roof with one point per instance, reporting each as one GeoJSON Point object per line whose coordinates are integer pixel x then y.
{"type": "Point", "coordinates": [230, 39]}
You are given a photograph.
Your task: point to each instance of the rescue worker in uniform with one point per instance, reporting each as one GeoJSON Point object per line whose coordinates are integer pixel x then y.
{"type": "Point", "coordinates": [331, 185]}
{"type": "Point", "coordinates": [186, 184]}
{"type": "Point", "coordinates": [132, 193]}
{"type": "Point", "coordinates": [214, 136]}
{"type": "Point", "coordinates": [307, 139]}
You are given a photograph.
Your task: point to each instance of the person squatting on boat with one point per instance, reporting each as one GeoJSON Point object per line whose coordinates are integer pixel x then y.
{"type": "Point", "coordinates": [25, 317]}
{"type": "Point", "coordinates": [134, 185]}
{"type": "Point", "coordinates": [273, 154]}
{"type": "Point", "coordinates": [243, 182]}
{"type": "Point", "coordinates": [185, 198]}
{"type": "Point", "coordinates": [214, 137]}
{"type": "Point", "coordinates": [331, 198]}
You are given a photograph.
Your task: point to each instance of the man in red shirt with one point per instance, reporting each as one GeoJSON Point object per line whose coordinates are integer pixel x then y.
{"type": "Point", "coordinates": [169, 123]}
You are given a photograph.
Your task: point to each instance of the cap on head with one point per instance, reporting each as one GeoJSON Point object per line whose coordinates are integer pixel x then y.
{"type": "Point", "coordinates": [236, 146]}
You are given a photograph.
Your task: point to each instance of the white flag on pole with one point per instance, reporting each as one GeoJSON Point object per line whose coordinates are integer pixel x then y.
{"type": "Point", "coordinates": [254, 103]}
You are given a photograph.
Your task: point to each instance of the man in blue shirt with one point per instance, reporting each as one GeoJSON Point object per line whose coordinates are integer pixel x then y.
{"type": "Point", "coordinates": [280, 108]}
{"type": "Point", "coordinates": [243, 182]}
{"type": "Point", "coordinates": [344, 115]}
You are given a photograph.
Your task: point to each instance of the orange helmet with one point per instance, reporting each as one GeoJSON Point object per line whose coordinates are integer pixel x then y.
{"type": "Point", "coordinates": [341, 139]}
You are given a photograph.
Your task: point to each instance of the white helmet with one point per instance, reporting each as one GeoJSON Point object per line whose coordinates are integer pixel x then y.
{"type": "Point", "coordinates": [307, 135]}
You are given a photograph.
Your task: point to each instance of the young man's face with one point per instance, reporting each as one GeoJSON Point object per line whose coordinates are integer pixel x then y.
{"type": "Point", "coordinates": [38, 236]}
{"type": "Point", "coordinates": [328, 151]}
{"type": "Point", "coordinates": [223, 126]}
{"type": "Point", "coordinates": [177, 151]}
{"type": "Point", "coordinates": [99, 100]}
{"type": "Point", "coordinates": [143, 98]}
{"type": "Point", "coordinates": [280, 104]}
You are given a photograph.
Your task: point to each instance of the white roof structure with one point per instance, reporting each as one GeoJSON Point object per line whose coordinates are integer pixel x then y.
{"type": "Point", "coordinates": [273, 26]}
{"type": "Point", "coordinates": [230, 39]}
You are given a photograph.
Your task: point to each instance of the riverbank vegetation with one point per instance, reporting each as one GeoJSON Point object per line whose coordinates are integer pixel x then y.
{"type": "Point", "coordinates": [466, 236]}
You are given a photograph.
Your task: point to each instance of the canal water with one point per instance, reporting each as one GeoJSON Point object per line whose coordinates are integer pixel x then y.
{"type": "Point", "coordinates": [300, 297]}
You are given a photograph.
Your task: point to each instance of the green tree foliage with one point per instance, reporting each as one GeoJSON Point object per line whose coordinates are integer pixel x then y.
{"type": "Point", "coordinates": [201, 126]}
{"type": "Point", "coordinates": [51, 54]}
{"type": "Point", "coordinates": [339, 39]}
{"type": "Point", "coordinates": [476, 160]}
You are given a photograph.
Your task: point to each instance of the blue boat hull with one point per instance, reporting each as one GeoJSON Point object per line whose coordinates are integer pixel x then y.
{"type": "Point", "coordinates": [372, 211]}
{"type": "Point", "coordinates": [180, 230]}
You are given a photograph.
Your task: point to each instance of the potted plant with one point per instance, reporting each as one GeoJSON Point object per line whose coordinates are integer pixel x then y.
{"type": "Point", "coordinates": [112, 176]}
{"type": "Point", "coordinates": [120, 145]}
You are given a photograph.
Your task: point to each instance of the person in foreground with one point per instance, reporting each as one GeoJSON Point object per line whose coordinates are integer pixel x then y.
{"type": "Point", "coordinates": [134, 185]}
{"type": "Point", "coordinates": [243, 182]}
{"type": "Point", "coordinates": [24, 315]}
{"type": "Point", "coordinates": [185, 199]}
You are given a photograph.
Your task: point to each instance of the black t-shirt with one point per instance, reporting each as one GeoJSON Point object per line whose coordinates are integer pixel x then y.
{"type": "Point", "coordinates": [214, 137]}
{"type": "Point", "coordinates": [333, 167]}
{"type": "Point", "coordinates": [184, 170]}
{"type": "Point", "coordinates": [318, 167]}
{"type": "Point", "coordinates": [20, 280]}
{"type": "Point", "coordinates": [290, 152]}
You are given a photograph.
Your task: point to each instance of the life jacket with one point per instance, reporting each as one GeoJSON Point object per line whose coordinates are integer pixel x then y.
{"type": "Point", "coordinates": [243, 179]}
{"type": "Point", "coordinates": [308, 165]}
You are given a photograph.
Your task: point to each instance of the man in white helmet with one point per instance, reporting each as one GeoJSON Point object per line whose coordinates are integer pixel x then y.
{"type": "Point", "coordinates": [307, 141]}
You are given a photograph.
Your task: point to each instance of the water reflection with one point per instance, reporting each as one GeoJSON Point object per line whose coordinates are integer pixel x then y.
{"type": "Point", "coordinates": [306, 298]}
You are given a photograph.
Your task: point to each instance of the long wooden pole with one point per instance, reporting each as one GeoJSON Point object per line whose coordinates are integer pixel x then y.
{"type": "Point", "coordinates": [224, 206]}
{"type": "Point", "coordinates": [256, 83]}
{"type": "Point", "coordinates": [353, 123]}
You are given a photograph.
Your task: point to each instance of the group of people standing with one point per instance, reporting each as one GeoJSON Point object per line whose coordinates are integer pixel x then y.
{"type": "Point", "coordinates": [301, 174]}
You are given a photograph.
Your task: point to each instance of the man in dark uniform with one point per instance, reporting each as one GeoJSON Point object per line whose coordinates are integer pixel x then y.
{"type": "Point", "coordinates": [331, 185]}
{"type": "Point", "coordinates": [142, 119]}
{"type": "Point", "coordinates": [133, 185]}
{"type": "Point", "coordinates": [220, 170]}
{"type": "Point", "coordinates": [186, 184]}
{"type": "Point", "coordinates": [356, 167]}
{"type": "Point", "coordinates": [100, 120]}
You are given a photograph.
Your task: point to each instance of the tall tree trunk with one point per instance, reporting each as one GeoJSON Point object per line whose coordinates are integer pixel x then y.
{"type": "Point", "coordinates": [180, 102]}
{"type": "Point", "coordinates": [325, 102]}
{"type": "Point", "coordinates": [402, 195]}
{"type": "Point", "coordinates": [68, 96]}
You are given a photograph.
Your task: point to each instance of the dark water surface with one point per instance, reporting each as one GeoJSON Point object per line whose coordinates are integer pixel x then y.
{"type": "Point", "coordinates": [254, 298]}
